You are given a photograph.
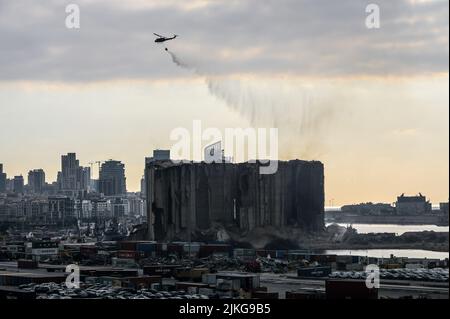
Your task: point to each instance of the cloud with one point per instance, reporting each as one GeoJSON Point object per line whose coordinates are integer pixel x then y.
{"type": "Point", "coordinates": [288, 37]}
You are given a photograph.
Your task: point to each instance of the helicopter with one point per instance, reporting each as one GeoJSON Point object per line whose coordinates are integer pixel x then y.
{"type": "Point", "coordinates": [161, 38]}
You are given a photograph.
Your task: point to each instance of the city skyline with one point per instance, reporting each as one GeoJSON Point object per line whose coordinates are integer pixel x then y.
{"type": "Point", "coordinates": [329, 204]}
{"type": "Point", "coordinates": [71, 178]}
{"type": "Point", "coordinates": [371, 104]}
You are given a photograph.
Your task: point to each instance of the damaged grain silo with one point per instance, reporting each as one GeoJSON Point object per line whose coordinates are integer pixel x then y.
{"type": "Point", "coordinates": [187, 199]}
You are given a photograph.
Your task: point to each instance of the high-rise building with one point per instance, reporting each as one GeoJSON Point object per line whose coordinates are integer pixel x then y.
{"type": "Point", "coordinates": [2, 180]}
{"type": "Point", "coordinates": [86, 178]}
{"type": "Point", "coordinates": [112, 179]}
{"type": "Point", "coordinates": [18, 184]}
{"type": "Point", "coordinates": [36, 181]}
{"type": "Point", "coordinates": [412, 205]}
{"type": "Point", "coordinates": [73, 177]}
{"type": "Point", "coordinates": [69, 172]}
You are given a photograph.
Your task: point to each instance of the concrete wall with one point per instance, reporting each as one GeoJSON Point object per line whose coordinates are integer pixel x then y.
{"type": "Point", "coordinates": [184, 198]}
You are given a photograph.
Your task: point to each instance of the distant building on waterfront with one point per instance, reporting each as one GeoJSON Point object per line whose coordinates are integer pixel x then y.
{"type": "Point", "coordinates": [369, 209]}
{"type": "Point", "coordinates": [412, 205]}
{"type": "Point", "coordinates": [112, 179]}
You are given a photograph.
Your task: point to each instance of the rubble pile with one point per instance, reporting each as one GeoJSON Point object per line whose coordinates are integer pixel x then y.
{"type": "Point", "coordinates": [222, 263]}
{"type": "Point", "coordinates": [101, 291]}
{"type": "Point", "coordinates": [170, 260]}
{"type": "Point", "coordinates": [275, 266]}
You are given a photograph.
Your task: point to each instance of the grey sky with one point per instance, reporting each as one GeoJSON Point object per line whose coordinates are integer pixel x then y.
{"type": "Point", "coordinates": [310, 37]}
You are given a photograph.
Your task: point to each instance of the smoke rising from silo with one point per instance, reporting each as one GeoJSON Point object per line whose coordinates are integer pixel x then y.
{"type": "Point", "coordinates": [297, 110]}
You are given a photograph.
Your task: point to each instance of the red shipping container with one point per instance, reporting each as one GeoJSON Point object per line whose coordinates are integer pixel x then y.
{"type": "Point", "coordinates": [127, 254]}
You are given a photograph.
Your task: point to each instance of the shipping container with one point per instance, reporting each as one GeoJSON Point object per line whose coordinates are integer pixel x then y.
{"type": "Point", "coordinates": [306, 294]}
{"type": "Point", "coordinates": [349, 289]}
{"type": "Point", "coordinates": [146, 247]}
{"type": "Point", "coordinates": [232, 284]}
{"type": "Point", "coordinates": [27, 264]}
{"type": "Point", "coordinates": [247, 255]}
{"type": "Point", "coordinates": [192, 249]}
{"type": "Point", "coordinates": [131, 245]}
{"type": "Point", "coordinates": [175, 249]}
{"type": "Point", "coordinates": [261, 253]}
{"type": "Point", "coordinates": [123, 262]}
{"type": "Point", "coordinates": [186, 285]}
{"type": "Point", "coordinates": [192, 274]}
{"type": "Point", "coordinates": [246, 281]}
{"type": "Point", "coordinates": [108, 272]}
{"type": "Point", "coordinates": [244, 252]}
{"type": "Point", "coordinates": [281, 254]}
{"type": "Point", "coordinates": [161, 247]}
{"type": "Point", "coordinates": [265, 295]}
{"type": "Point", "coordinates": [209, 279]}
{"type": "Point", "coordinates": [17, 279]}
{"type": "Point", "coordinates": [297, 256]}
{"type": "Point", "coordinates": [161, 270]}
{"type": "Point", "coordinates": [322, 271]}
{"type": "Point", "coordinates": [127, 245]}
{"type": "Point", "coordinates": [207, 250]}
{"type": "Point", "coordinates": [128, 254]}
{"type": "Point", "coordinates": [88, 251]}
{"type": "Point", "coordinates": [392, 266]}
{"type": "Point", "coordinates": [141, 281]}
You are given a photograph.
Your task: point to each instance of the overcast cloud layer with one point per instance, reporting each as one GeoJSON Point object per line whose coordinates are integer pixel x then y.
{"type": "Point", "coordinates": [303, 38]}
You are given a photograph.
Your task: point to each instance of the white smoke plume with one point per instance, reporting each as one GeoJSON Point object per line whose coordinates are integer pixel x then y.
{"type": "Point", "coordinates": [302, 116]}
{"type": "Point", "coordinates": [178, 61]}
